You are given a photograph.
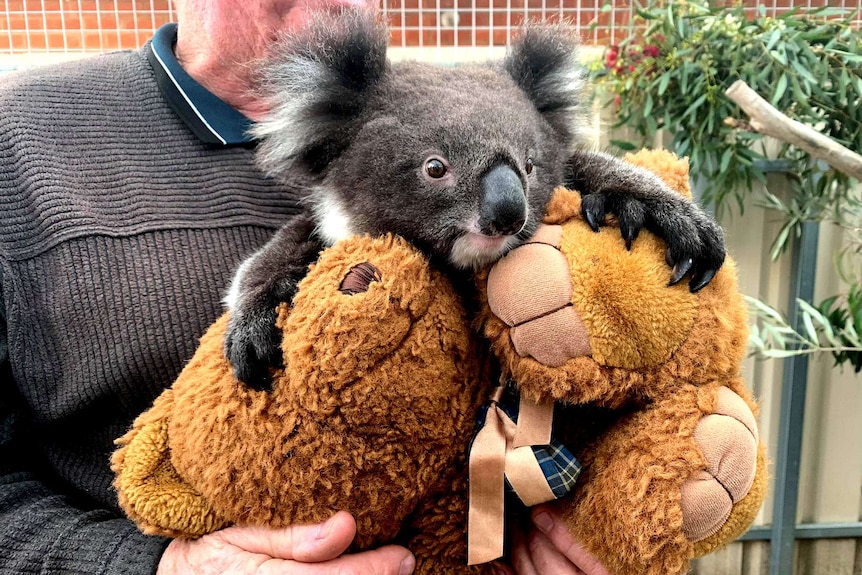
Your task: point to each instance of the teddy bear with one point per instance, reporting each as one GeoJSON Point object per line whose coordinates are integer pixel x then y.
{"type": "Point", "coordinates": [645, 379]}
{"type": "Point", "coordinates": [387, 383]}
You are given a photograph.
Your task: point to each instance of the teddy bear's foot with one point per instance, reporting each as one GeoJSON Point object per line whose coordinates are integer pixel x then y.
{"type": "Point", "coordinates": [728, 440]}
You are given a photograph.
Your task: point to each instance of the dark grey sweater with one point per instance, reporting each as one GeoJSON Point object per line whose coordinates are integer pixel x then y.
{"type": "Point", "coordinates": [119, 232]}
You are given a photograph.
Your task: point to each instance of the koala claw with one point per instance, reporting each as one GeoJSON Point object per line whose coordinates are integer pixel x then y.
{"type": "Point", "coordinates": [253, 345]}
{"type": "Point", "coordinates": [593, 208]}
{"type": "Point", "coordinates": [679, 270]}
{"type": "Point", "coordinates": [695, 242]}
{"type": "Point", "coordinates": [700, 279]}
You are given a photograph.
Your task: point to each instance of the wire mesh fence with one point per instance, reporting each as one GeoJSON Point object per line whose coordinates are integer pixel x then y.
{"type": "Point", "coordinates": [71, 26]}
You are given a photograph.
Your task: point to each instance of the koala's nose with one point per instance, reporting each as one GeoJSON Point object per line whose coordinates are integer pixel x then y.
{"type": "Point", "coordinates": [504, 204]}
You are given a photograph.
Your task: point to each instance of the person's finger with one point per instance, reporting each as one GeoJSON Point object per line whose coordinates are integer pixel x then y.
{"type": "Point", "coordinates": [547, 559]}
{"type": "Point", "coordinates": [522, 563]}
{"type": "Point", "coordinates": [306, 543]}
{"type": "Point", "coordinates": [551, 524]}
{"type": "Point", "coordinates": [388, 560]}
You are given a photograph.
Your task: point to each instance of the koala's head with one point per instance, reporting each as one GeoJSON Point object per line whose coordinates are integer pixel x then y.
{"type": "Point", "coordinates": [458, 160]}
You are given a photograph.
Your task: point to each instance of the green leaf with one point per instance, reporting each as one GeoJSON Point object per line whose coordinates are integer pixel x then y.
{"type": "Point", "coordinates": [780, 88]}
{"type": "Point", "coordinates": [764, 309]}
{"type": "Point", "coordinates": [645, 15]}
{"type": "Point", "coordinates": [800, 69]}
{"type": "Point", "coordinates": [624, 145]}
{"type": "Point", "coordinates": [848, 56]}
{"type": "Point", "coordinates": [773, 38]}
{"type": "Point", "coordinates": [809, 327]}
{"type": "Point", "coordinates": [780, 241]}
{"type": "Point", "coordinates": [781, 353]}
{"type": "Point", "coordinates": [694, 106]}
{"type": "Point", "coordinates": [779, 56]}
{"type": "Point", "coordinates": [663, 83]}
{"type": "Point", "coordinates": [725, 159]}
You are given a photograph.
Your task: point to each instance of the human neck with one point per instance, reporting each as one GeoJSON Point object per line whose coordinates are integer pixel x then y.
{"type": "Point", "coordinates": [226, 77]}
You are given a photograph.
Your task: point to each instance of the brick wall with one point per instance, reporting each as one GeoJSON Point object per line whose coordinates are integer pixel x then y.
{"type": "Point", "coordinates": [100, 25]}
{"type": "Point", "coordinates": [79, 25]}
{"type": "Point", "coordinates": [55, 26]}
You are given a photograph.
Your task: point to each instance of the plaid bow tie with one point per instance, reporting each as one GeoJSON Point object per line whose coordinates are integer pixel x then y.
{"type": "Point", "coordinates": [513, 449]}
{"type": "Point", "coordinates": [559, 466]}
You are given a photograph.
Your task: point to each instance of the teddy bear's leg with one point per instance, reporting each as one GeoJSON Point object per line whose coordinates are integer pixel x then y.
{"type": "Point", "coordinates": [719, 502]}
{"type": "Point", "coordinates": [645, 493]}
{"type": "Point", "coordinates": [438, 534]}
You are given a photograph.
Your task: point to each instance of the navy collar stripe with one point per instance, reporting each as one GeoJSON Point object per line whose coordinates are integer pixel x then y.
{"type": "Point", "coordinates": [185, 96]}
{"type": "Point", "coordinates": [209, 117]}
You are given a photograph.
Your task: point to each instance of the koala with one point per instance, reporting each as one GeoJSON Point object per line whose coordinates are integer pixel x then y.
{"type": "Point", "coordinates": [461, 161]}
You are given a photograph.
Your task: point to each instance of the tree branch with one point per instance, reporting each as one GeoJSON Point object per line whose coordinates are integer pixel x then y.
{"type": "Point", "coordinates": [766, 120]}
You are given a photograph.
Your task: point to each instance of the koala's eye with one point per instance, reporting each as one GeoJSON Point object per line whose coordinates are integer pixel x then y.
{"type": "Point", "coordinates": [435, 168]}
{"type": "Point", "coordinates": [529, 166]}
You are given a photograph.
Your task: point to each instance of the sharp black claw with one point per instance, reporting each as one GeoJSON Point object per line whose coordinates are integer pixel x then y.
{"type": "Point", "coordinates": [668, 257]}
{"type": "Point", "coordinates": [591, 220]}
{"type": "Point", "coordinates": [630, 234]}
{"type": "Point", "coordinates": [253, 374]}
{"type": "Point", "coordinates": [700, 281]}
{"type": "Point", "coordinates": [593, 208]}
{"type": "Point", "coordinates": [260, 382]}
{"type": "Point", "coordinates": [679, 271]}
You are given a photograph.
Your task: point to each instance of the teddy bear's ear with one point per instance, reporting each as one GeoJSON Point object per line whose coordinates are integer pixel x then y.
{"type": "Point", "coordinates": [543, 63]}
{"type": "Point", "coordinates": [666, 165]}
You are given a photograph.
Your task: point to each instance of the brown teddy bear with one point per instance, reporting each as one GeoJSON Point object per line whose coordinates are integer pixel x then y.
{"type": "Point", "coordinates": [646, 379]}
{"type": "Point", "coordinates": [384, 379]}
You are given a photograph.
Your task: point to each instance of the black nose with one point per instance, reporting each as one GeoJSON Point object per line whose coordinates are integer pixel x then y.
{"type": "Point", "coordinates": [504, 204]}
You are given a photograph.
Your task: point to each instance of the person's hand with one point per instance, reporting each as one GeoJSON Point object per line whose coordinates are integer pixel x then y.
{"type": "Point", "coordinates": [306, 549]}
{"type": "Point", "coordinates": [548, 548]}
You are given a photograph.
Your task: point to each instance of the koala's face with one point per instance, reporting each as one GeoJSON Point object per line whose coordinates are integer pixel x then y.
{"type": "Point", "coordinates": [460, 161]}
{"type": "Point", "coordinates": [456, 160]}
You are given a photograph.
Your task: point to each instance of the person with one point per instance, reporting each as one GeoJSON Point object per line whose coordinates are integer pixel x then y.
{"type": "Point", "coordinates": [128, 194]}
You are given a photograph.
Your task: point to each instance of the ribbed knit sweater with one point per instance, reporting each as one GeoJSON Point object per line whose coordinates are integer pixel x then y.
{"type": "Point", "coordinates": [119, 232]}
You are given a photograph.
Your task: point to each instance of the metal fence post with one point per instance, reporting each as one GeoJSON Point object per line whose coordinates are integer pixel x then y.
{"type": "Point", "coordinates": [793, 388]}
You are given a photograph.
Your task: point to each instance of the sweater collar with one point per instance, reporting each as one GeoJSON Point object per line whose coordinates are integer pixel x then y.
{"type": "Point", "coordinates": [210, 118]}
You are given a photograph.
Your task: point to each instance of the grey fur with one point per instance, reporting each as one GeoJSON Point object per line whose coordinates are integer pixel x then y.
{"type": "Point", "coordinates": [359, 131]}
{"type": "Point", "coordinates": [362, 138]}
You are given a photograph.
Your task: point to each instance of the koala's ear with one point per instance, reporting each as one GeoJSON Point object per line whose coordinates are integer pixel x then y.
{"type": "Point", "coordinates": [317, 83]}
{"type": "Point", "coordinates": [543, 62]}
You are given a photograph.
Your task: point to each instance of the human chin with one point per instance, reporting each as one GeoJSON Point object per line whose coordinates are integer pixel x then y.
{"type": "Point", "coordinates": [299, 14]}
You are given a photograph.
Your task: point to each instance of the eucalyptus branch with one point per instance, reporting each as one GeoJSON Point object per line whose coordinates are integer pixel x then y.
{"type": "Point", "coordinates": [765, 119]}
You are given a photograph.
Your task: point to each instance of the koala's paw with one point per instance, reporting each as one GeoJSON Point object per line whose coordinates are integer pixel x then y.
{"type": "Point", "coordinates": [728, 441]}
{"type": "Point", "coordinates": [252, 343]}
{"type": "Point", "coordinates": [695, 243]}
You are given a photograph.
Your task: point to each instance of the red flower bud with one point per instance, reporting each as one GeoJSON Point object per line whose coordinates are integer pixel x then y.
{"type": "Point", "coordinates": [651, 51]}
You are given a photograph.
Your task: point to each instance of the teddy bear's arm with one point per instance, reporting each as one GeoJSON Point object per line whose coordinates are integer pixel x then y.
{"type": "Point", "coordinates": [640, 199]}
{"type": "Point", "coordinates": [439, 538]}
{"type": "Point", "coordinates": [263, 281]}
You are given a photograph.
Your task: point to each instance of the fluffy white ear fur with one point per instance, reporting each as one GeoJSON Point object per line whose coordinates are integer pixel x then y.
{"type": "Point", "coordinates": [316, 83]}
{"type": "Point", "coordinates": [287, 128]}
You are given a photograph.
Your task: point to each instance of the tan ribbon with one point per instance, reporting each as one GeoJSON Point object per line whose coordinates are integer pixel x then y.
{"type": "Point", "coordinates": [502, 450]}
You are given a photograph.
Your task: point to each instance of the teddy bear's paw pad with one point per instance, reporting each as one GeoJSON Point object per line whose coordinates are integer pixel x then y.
{"type": "Point", "coordinates": [530, 290]}
{"type": "Point", "coordinates": [728, 440]}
